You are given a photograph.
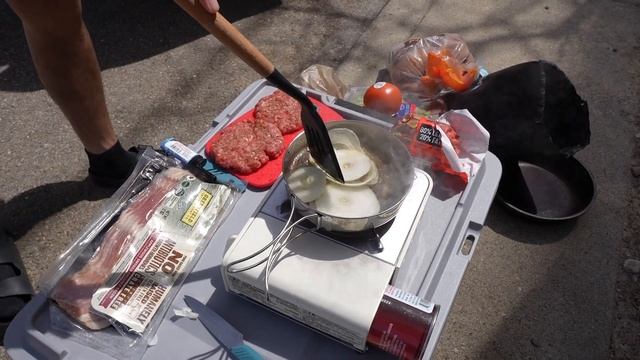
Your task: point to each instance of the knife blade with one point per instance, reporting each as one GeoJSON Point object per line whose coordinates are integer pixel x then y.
{"type": "Point", "coordinates": [225, 333]}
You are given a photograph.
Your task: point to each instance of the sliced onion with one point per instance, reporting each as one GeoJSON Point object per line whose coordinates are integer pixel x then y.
{"type": "Point", "coordinates": [343, 138]}
{"type": "Point", "coordinates": [371, 178]}
{"type": "Point", "coordinates": [307, 183]}
{"type": "Point", "coordinates": [354, 164]}
{"type": "Point", "coordinates": [348, 201]}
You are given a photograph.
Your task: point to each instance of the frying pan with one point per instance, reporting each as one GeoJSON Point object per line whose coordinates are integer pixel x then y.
{"type": "Point", "coordinates": [546, 188]}
{"type": "Point", "coordinates": [395, 170]}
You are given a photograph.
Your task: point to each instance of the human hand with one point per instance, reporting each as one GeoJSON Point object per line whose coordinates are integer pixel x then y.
{"type": "Point", "coordinates": [210, 5]}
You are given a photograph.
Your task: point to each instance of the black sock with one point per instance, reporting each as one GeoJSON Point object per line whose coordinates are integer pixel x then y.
{"type": "Point", "coordinates": [112, 167]}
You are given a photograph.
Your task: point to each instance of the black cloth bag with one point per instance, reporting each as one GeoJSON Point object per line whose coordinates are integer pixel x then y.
{"type": "Point", "coordinates": [530, 110]}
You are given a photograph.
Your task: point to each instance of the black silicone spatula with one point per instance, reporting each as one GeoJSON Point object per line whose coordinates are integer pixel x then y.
{"type": "Point", "coordinates": [316, 132]}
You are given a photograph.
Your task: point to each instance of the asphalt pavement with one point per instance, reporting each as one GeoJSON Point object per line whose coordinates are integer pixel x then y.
{"type": "Point", "coordinates": [541, 291]}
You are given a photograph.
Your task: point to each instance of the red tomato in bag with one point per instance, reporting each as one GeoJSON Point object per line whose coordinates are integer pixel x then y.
{"type": "Point", "coordinates": [383, 97]}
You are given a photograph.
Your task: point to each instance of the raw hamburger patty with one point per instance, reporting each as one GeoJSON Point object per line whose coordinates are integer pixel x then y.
{"type": "Point", "coordinates": [273, 140]}
{"type": "Point", "coordinates": [279, 109]}
{"type": "Point", "coordinates": [243, 148]}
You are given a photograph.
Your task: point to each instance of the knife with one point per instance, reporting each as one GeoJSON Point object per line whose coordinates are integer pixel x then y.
{"type": "Point", "coordinates": [224, 332]}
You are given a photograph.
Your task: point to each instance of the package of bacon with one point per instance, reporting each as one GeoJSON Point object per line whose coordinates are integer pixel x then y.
{"type": "Point", "coordinates": [124, 270]}
{"type": "Point", "coordinates": [454, 143]}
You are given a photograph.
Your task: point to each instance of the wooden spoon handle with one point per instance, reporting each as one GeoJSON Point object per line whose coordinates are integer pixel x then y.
{"type": "Point", "coordinates": [229, 35]}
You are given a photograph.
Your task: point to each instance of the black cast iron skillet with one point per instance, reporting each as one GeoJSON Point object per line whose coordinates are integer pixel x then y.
{"type": "Point", "coordinates": [547, 189]}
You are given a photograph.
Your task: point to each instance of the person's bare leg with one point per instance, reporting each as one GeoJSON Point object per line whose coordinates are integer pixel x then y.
{"type": "Point", "coordinates": [66, 62]}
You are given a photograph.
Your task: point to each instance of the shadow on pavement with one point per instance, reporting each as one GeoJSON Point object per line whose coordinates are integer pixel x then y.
{"type": "Point", "coordinates": [518, 228]}
{"type": "Point", "coordinates": [27, 209]}
{"type": "Point", "coordinates": [564, 311]}
{"type": "Point", "coordinates": [566, 304]}
{"type": "Point", "coordinates": [123, 32]}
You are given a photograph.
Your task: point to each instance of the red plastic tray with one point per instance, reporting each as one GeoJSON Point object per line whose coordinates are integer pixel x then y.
{"type": "Point", "coordinates": [268, 174]}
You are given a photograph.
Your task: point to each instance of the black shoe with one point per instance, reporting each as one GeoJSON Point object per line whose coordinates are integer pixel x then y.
{"type": "Point", "coordinates": [112, 167]}
{"type": "Point", "coordinates": [15, 288]}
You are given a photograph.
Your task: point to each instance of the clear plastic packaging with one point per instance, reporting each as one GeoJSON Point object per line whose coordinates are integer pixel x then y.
{"type": "Point", "coordinates": [425, 68]}
{"type": "Point", "coordinates": [323, 78]}
{"type": "Point", "coordinates": [112, 286]}
{"type": "Point", "coordinates": [454, 143]}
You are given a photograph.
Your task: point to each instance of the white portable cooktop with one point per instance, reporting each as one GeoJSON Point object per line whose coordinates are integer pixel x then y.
{"type": "Point", "coordinates": [327, 281]}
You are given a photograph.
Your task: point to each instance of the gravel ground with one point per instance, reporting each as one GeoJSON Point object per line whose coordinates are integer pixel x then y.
{"type": "Point", "coordinates": [625, 340]}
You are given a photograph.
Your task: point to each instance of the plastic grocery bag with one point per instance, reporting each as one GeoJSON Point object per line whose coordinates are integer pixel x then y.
{"type": "Point", "coordinates": [111, 288]}
{"type": "Point", "coordinates": [323, 78]}
{"type": "Point", "coordinates": [428, 67]}
{"type": "Point", "coordinates": [454, 143]}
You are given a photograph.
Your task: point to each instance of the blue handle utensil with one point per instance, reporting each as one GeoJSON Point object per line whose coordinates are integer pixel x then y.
{"type": "Point", "coordinates": [225, 333]}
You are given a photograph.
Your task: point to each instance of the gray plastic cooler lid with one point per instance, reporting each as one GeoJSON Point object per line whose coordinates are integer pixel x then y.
{"type": "Point", "coordinates": [433, 268]}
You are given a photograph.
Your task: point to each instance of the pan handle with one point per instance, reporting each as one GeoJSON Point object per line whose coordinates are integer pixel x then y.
{"type": "Point", "coordinates": [229, 35]}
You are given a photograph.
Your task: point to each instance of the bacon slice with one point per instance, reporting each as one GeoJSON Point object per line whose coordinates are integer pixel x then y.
{"type": "Point", "coordinates": [74, 291]}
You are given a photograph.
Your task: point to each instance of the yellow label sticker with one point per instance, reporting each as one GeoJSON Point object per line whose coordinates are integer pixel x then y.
{"type": "Point", "coordinates": [192, 214]}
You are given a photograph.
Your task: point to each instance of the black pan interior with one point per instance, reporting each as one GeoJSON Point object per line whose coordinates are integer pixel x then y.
{"type": "Point", "coordinates": [546, 189]}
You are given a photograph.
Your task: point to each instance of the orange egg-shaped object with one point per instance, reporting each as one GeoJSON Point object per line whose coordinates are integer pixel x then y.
{"type": "Point", "coordinates": [383, 97]}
